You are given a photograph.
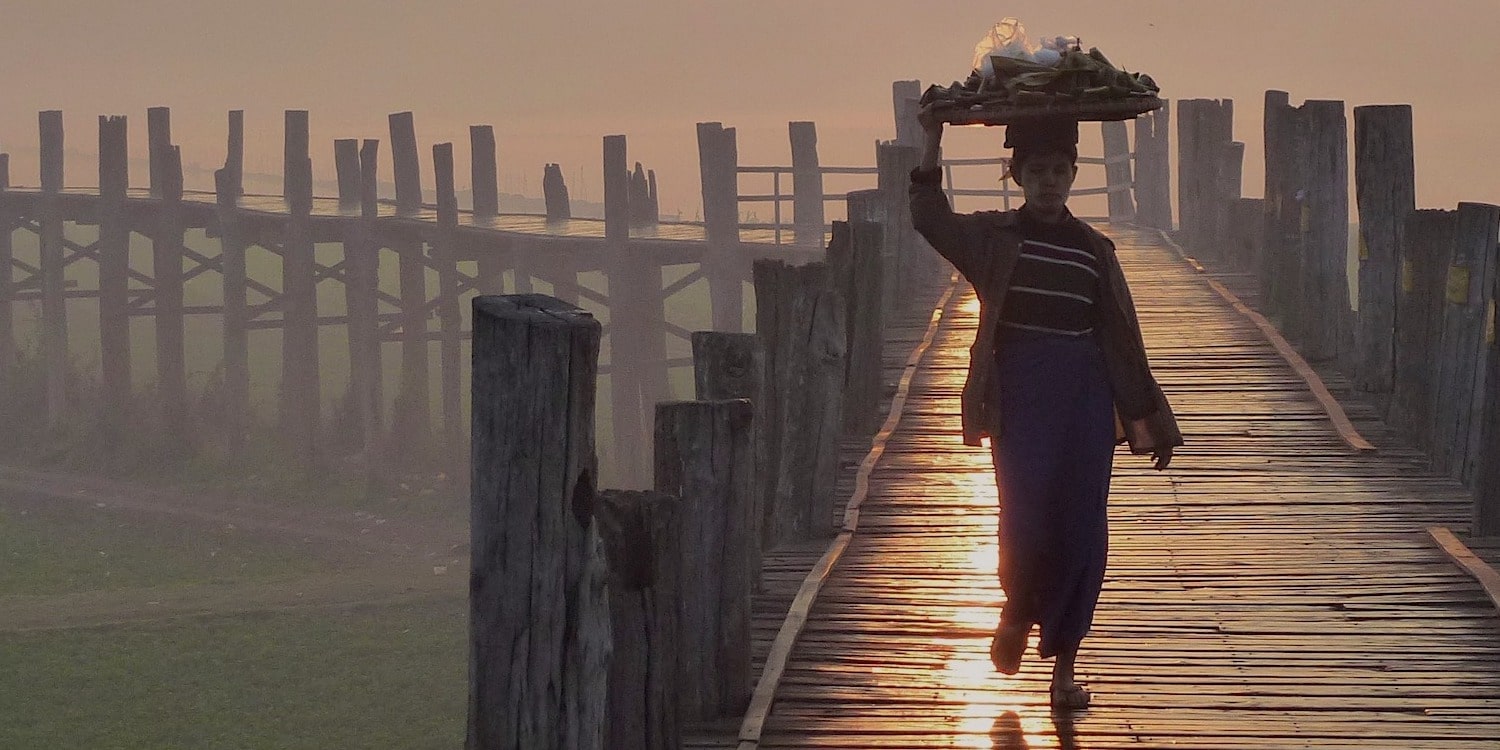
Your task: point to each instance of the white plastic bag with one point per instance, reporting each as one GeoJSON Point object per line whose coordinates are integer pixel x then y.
{"type": "Point", "coordinates": [1007, 38]}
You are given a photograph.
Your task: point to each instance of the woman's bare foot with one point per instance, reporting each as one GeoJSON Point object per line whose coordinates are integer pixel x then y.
{"type": "Point", "coordinates": [1008, 646]}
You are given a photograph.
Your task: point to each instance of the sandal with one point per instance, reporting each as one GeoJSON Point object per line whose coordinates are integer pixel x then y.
{"type": "Point", "coordinates": [1008, 647]}
{"type": "Point", "coordinates": [1072, 697]}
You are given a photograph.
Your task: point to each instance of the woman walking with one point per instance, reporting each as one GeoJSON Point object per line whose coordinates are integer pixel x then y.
{"type": "Point", "coordinates": [1058, 377]}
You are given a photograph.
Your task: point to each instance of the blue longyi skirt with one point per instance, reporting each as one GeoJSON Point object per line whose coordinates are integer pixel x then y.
{"type": "Point", "coordinates": [1052, 466]}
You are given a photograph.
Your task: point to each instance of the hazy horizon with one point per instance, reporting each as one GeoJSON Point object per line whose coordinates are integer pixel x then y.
{"type": "Point", "coordinates": [554, 78]}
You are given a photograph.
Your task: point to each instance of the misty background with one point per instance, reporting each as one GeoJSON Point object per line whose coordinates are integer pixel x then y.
{"type": "Point", "coordinates": [555, 77]}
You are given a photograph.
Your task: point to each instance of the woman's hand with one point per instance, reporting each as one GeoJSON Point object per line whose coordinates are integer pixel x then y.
{"type": "Point", "coordinates": [1162, 457]}
{"type": "Point", "coordinates": [931, 125]}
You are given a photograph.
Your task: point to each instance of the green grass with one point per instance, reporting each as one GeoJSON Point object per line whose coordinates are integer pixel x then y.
{"type": "Point", "coordinates": [94, 549]}
{"type": "Point", "coordinates": [379, 678]}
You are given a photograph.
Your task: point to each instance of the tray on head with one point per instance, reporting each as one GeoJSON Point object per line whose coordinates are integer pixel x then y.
{"type": "Point", "coordinates": [1005, 113]}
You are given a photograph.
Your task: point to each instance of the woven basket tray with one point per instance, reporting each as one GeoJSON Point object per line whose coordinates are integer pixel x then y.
{"type": "Point", "coordinates": [1005, 113]}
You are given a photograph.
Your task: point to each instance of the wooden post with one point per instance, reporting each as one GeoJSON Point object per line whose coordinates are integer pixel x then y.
{"type": "Point", "coordinates": [1189, 163]}
{"type": "Point", "coordinates": [1153, 188]}
{"type": "Point", "coordinates": [704, 454]}
{"type": "Point", "coordinates": [642, 538]}
{"type": "Point", "coordinates": [171, 338]}
{"type": "Point", "coordinates": [555, 191]}
{"type": "Point", "coordinates": [1426, 248]}
{"type": "Point", "coordinates": [346, 163]}
{"type": "Point", "coordinates": [906, 96]}
{"type": "Point", "coordinates": [450, 324]}
{"type": "Point", "coordinates": [642, 208]}
{"type": "Point", "coordinates": [1385, 191]}
{"type": "Point", "coordinates": [718, 167]}
{"type": "Point", "coordinates": [800, 320]}
{"type": "Point", "coordinates": [361, 289]}
{"type": "Point", "coordinates": [1280, 197]}
{"type": "Point", "coordinates": [232, 247]}
{"type": "Point", "coordinates": [234, 161]}
{"type": "Point", "coordinates": [655, 211]}
{"type": "Point", "coordinates": [1244, 241]}
{"type": "Point", "coordinates": [1326, 230]}
{"type": "Point", "coordinates": [54, 321]}
{"type": "Point", "coordinates": [484, 176]}
{"type": "Point", "coordinates": [1487, 482]}
{"type": "Point", "coordinates": [404, 160]}
{"type": "Point", "coordinates": [807, 184]}
{"type": "Point", "coordinates": [855, 263]}
{"type": "Point", "coordinates": [1461, 346]}
{"type": "Point", "coordinates": [902, 252]}
{"type": "Point", "coordinates": [1231, 176]}
{"type": "Point", "coordinates": [7, 279]}
{"type": "Point", "coordinates": [541, 582]}
{"type": "Point", "coordinates": [158, 143]}
{"type": "Point", "coordinates": [1117, 170]}
{"type": "Point", "coordinates": [114, 273]}
{"type": "Point", "coordinates": [300, 394]}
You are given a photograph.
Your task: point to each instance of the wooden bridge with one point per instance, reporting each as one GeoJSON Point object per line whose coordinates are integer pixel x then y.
{"type": "Point", "coordinates": [1276, 587]}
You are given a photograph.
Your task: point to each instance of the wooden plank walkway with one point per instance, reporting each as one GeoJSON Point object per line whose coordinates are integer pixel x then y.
{"type": "Point", "coordinates": [1274, 589]}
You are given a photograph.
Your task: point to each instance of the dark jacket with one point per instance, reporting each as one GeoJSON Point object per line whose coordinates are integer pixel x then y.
{"type": "Point", "coordinates": [984, 246]}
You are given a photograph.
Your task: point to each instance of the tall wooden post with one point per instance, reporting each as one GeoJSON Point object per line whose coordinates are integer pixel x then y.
{"type": "Point", "coordinates": [114, 273]}
{"type": "Point", "coordinates": [800, 319]}
{"type": "Point", "coordinates": [555, 193]}
{"type": "Point", "coordinates": [234, 161]}
{"type": "Point", "coordinates": [7, 278]}
{"type": "Point", "coordinates": [445, 255]}
{"type": "Point", "coordinates": [642, 534]}
{"type": "Point", "coordinates": [733, 366]}
{"type": "Point", "coordinates": [412, 424]}
{"type": "Point", "coordinates": [906, 96]}
{"type": "Point", "coordinates": [232, 248]}
{"type": "Point", "coordinates": [807, 184]}
{"type": "Point", "coordinates": [484, 177]}
{"type": "Point", "coordinates": [1426, 247]}
{"type": "Point", "coordinates": [300, 396]}
{"type": "Point", "coordinates": [902, 252]}
{"type": "Point", "coordinates": [171, 340]}
{"type": "Point", "coordinates": [704, 455]}
{"type": "Point", "coordinates": [346, 166]}
{"type": "Point", "coordinates": [540, 583]}
{"type": "Point", "coordinates": [361, 290]}
{"type": "Point", "coordinates": [860, 274]}
{"type": "Point", "coordinates": [158, 143]}
{"type": "Point", "coordinates": [1279, 203]}
{"type": "Point", "coordinates": [1461, 347]}
{"type": "Point", "coordinates": [54, 322]}
{"type": "Point", "coordinates": [1487, 482]}
{"type": "Point", "coordinates": [1153, 188]}
{"type": "Point", "coordinates": [1385, 192]}
{"type": "Point", "coordinates": [718, 166]}
{"type": "Point", "coordinates": [1326, 231]}
{"type": "Point", "coordinates": [1117, 170]}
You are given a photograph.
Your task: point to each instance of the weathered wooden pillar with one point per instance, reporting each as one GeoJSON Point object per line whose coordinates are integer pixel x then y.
{"type": "Point", "coordinates": [555, 192]}
{"type": "Point", "coordinates": [346, 166]}
{"type": "Point", "coordinates": [234, 160]}
{"type": "Point", "coordinates": [807, 184]}
{"type": "Point", "coordinates": [1153, 188]}
{"type": "Point", "coordinates": [1117, 170]}
{"type": "Point", "coordinates": [1385, 192]}
{"type": "Point", "coordinates": [906, 96]}
{"type": "Point", "coordinates": [1461, 346]}
{"type": "Point", "coordinates": [1231, 175]}
{"type": "Point", "coordinates": [450, 324]}
{"type": "Point", "coordinates": [642, 538]}
{"type": "Point", "coordinates": [902, 252]}
{"type": "Point", "coordinates": [800, 319]}
{"type": "Point", "coordinates": [7, 278]}
{"type": "Point", "coordinates": [411, 421]}
{"type": "Point", "coordinates": [168, 310]}
{"type": "Point", "coordinates": [733, 366]}
{"type": "Point", "coordinates": [300, 394]}
{"type": "Point", "coordinates": [232, 248]}
{"type": "Point", "coordinates": [1244, 240]}
{"type": "Point", "coordinates": [539, 617]}
{"type": "Point", "coordinates": [718, 166]}
{"type": "Point", "coordinates": [361, 292]}
{"type": "Point", "coordinates": [638, 358]}
{"type": "Point", "coordinates": [704, 455]}
{"type": "Point", "coordinates": [114, 274]}
{"type": "Point", "coordinates": [1189, 170]}
{"type": "Point", "coordinates": [1426, 247]}
{"type": "Point", "coordinates": [1326, 230]}
{"type": "Point", "coordinates": [158, 143]}
{"type": "Point", "coordinates": [855, 263]}
{"type": "Point", "coordinates": [1280, 203]}
{"type": "Point", "coordinates": [1487, 469]}
{"type": "Point", "coordinates": [642, 199]}
{"type": "Point", "coordinates": [484, 175]}
{"type": "Point", "coordinates": [54, 321]}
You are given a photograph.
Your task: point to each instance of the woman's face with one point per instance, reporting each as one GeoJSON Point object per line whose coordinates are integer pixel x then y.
{"type": "Point", "coordinates": [1046, 179]}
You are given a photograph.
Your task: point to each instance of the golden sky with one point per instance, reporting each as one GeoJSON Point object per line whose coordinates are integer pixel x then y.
{"type": "Point", "coordinates": [554, 77]}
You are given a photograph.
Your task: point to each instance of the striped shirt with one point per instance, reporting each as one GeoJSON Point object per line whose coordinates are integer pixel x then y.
{"type": "Point", "coordinates": [1056, 280]}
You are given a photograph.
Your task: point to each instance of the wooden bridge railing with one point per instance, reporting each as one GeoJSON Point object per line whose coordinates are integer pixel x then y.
{"type": "Point", "coordinates": [1418, 336]}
